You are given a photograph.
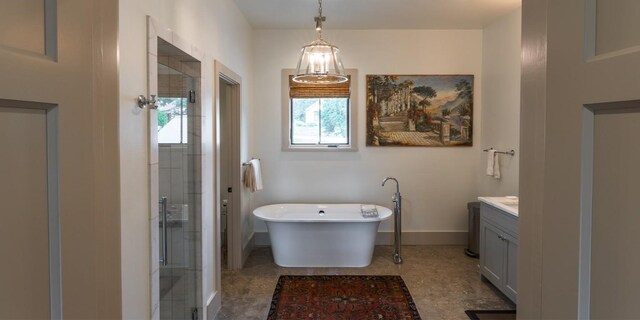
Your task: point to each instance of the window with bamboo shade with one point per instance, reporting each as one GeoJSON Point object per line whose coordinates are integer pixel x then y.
{"type": "Point", "coordinates": [318, 116]}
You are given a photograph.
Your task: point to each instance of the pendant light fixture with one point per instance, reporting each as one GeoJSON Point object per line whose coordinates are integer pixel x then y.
{"type": "Point", "coordinates": [320, 61]}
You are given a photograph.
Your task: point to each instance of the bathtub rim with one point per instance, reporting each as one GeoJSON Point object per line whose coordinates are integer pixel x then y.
{"type": "Point", "coordinates": [384, 213]}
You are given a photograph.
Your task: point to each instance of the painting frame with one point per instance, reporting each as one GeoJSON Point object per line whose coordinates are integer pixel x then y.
{"type": "Point", "coordinates": [419, 110]}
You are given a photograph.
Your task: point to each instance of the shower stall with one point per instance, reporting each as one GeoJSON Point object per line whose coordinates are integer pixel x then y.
{"type": "Point", "coordinates": [180, 190]}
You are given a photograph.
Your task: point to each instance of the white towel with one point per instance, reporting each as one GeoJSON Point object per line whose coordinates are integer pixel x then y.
{"type": "Point", "coordinates": [253, 175]}
{"type": "Point", "coordinates": [493, 164]}
{"type": "Point", "coordinates": [496, 167]}
{"type": "Point", "coordinates": [248, 177]}
{"type": "Point", "coordinates": [491, 159]}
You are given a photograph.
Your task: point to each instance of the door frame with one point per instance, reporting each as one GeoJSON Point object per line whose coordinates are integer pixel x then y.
{"type": "Point", "coordinates": [156, 30]}
{"type": "Point", "coordinates": [234, 232]}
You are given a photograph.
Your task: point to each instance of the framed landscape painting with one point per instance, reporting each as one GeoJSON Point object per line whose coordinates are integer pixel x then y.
{"type": "Point", "coordinates": [419, 110]}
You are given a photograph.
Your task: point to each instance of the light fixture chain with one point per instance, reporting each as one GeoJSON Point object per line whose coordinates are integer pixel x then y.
{"type": "Point", "coordinates": [319, 19]}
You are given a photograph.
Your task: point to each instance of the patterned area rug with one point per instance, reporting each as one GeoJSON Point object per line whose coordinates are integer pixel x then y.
{"type": "Point", "coordinates": [342, 297]}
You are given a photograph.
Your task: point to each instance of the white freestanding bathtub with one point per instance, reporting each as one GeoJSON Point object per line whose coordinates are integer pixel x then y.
{"type": "Point", "coordinates": [321, 235]}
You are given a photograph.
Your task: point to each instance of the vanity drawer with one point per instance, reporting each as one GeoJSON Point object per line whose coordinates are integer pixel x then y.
{"type": "Point", "coordinates": [505, 220]}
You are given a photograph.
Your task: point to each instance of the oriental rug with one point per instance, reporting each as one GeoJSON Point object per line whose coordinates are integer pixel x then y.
{"type": "Point", "coordinates": [343, 297]}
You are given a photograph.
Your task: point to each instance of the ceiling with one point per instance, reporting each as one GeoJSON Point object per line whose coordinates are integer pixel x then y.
{"type": "Point", "coordinates": [376, 14]}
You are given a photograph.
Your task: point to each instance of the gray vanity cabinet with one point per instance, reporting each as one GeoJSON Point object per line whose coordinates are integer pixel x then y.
{"type": "Point", "coordinates": [499, 249]}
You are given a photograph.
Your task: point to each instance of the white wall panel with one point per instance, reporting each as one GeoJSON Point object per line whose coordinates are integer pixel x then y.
{"type": "Point", "coordinates": [617, 25]}
{"type": "Point", "coordinates": [22, 25]}
{"type": "Point", "coordinates": [500, 121]}
{"type": "Point", "coordinates": [615, 260]}
{"type": "Point", "coordinates": [24, 239]}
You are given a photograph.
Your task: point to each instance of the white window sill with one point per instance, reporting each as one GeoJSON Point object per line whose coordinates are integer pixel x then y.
{"type": "Point", "coordinates": [294, 148]}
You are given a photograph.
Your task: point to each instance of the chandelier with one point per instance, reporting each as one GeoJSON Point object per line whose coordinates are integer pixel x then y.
{"type": "Point", "coordinates": [320, 61]}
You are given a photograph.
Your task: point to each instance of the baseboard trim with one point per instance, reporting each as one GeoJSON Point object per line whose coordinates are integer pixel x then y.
{"type": "Point", "coordinates": [408, 238]}
{"type": "Point", "coordinates": [262, 239]}
{"type": "Point", "coordinates": [424, 238]}
{"type": "Point", "coordinates": [214, 303]}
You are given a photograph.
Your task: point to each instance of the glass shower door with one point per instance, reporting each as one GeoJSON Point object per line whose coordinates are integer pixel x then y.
{"type": "Point", "coordinates": [179, 191]}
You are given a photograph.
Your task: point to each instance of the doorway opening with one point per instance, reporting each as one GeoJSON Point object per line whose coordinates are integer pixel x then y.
{"type": "Point", "coordinates": [228, 168]}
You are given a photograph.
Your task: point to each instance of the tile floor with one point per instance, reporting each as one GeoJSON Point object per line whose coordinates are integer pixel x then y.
{"type": "Point", "coordinates": [442, 279]}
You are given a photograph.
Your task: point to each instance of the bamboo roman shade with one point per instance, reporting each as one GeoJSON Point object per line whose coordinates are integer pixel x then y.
{"type": "Point", "coordinates": [171, 86]}
{"type": "Point", "coordinates": [307, 90]}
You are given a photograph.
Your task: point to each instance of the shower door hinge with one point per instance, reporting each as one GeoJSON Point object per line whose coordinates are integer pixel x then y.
{"type": "Point", "coordinates": [194, 314]}
{"type": "Point", "coordinates": [192, 96]}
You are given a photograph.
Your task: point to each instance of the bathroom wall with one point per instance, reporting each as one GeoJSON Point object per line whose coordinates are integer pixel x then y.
{"type": "Point", "coordinates": [501, 103]}
{"type": "Point", "coordinates": [218, 29]}
{"type": "Point", "coordinates": [436, 183]}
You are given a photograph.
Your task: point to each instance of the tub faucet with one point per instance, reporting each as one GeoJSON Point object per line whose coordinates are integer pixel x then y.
{"type": "Point", "coordinates": [394, 179]}
{"type": "Point", "coordinates": [397, 215]}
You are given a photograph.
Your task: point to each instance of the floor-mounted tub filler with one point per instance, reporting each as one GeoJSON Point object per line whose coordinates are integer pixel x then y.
{"type": "Point", "coordinates": [397, 221]}
{"type": "Point", "coordinates": [321, 235]}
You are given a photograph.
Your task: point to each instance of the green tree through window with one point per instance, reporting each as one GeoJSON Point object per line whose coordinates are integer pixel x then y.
{"type": "Point", "coordinates": [320, 121]}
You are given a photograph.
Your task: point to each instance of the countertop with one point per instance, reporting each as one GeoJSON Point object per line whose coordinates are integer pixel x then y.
{"type": "Point", "coordinates": [507, 204]}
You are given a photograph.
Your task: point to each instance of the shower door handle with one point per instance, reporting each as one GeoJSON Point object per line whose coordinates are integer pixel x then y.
{"type": "Point", "coordinates": [163, 214]}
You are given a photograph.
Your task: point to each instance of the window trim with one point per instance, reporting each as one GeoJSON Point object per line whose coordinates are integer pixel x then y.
{"type": "Point", "coordinates": [352, 117]}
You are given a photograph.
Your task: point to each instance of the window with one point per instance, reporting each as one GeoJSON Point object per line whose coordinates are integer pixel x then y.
{"type": "Point", "coordinates": [172, 120]}
{"type": "Point", "coordinates": [318, 116]}
{"type": "Point", "coordinates": [319, 121]}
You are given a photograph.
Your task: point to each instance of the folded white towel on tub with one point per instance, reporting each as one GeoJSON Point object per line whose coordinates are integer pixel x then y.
{"type": "Point", "coordinates": [369, 211]}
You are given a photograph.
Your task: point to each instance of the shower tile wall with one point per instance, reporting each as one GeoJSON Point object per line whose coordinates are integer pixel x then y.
{"type": "Point", "coordinates": [176, 183]}
{"type": "Point", "coordinates": [173, 171]}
